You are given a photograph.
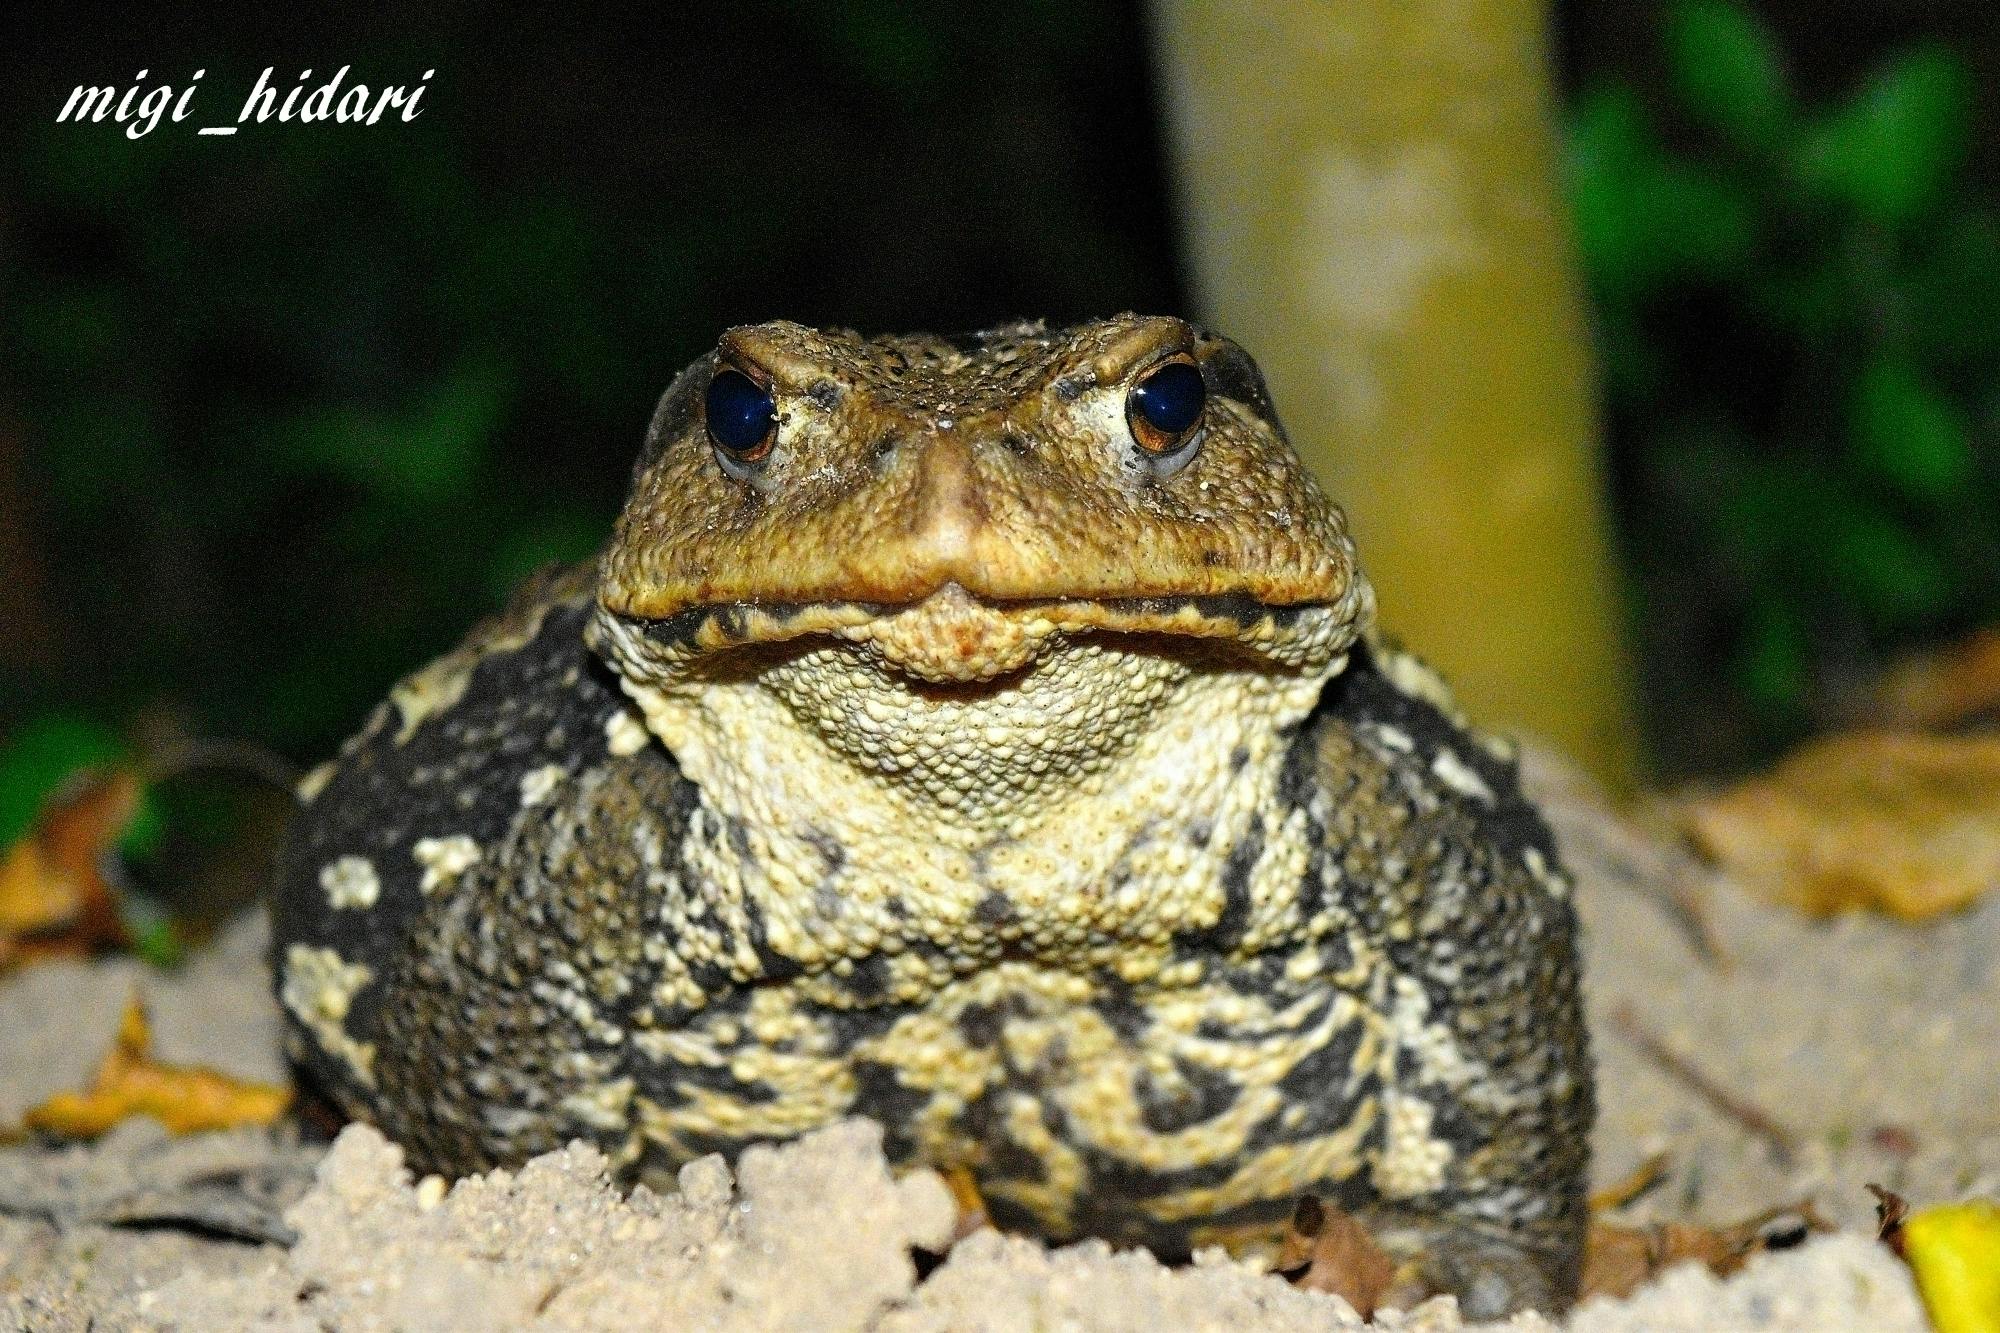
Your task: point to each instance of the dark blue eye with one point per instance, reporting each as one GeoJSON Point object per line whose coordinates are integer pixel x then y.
{"type": "Point", "coordinates": [1166, 405]}
{"type": "Point", "coordinates": [741, 416]}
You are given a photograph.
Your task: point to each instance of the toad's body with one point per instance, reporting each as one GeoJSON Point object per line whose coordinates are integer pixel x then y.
{"type": "Point", "coordinates": [968, 753]}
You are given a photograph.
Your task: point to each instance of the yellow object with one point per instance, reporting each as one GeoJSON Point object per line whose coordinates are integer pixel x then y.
{"type": "Point", "coordinates": [1877, 820]}
{"type": "Point", "coordinates": [1373, 210]}
{"type": "Point", "coordinates": [1955, 1252]}
{"type": "Point", "coordinates": [185, 1098]}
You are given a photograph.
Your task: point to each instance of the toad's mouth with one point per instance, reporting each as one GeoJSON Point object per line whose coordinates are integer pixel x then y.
{"type": "Point", "coordinates": [952, 636]}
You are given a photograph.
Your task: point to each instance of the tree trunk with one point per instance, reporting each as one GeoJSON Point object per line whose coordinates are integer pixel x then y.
{"type": "Point", "coordinates": [1372, 206]}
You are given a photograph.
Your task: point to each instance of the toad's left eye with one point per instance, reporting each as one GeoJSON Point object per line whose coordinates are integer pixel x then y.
{"type": "Point", "coordinates": [1165, 406]}
{"type": "Point", "coordinates": [741, 417]}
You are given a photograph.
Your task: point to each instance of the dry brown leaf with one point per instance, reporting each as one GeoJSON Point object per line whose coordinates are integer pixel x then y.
{"type": "Point", "coordinates": [1904, 824]}
{"type": "Point", "coordinates": [1645, 1178]}
{"type": "Point", "coordinates": [54, 898]}
{"type": "Point", "coordinates": [1326, 1249]}
{"type": "Point", "coordinates": [1618, 1260]}
{"type": "Point", "coordinates": [1891, 1211]}
{"type": "Point", "coordinates": [1944, 689]}
{"type": "Point", "coordinates": [184, 1098]}
{"type": "Point", "coordinates": [34, 896]}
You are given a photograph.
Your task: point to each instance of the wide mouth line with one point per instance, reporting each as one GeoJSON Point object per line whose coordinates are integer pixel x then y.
{"type": "Point", "coordinates": [747, 621]}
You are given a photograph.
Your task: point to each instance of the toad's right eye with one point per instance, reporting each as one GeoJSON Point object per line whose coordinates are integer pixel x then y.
{"type": "Point", "coordinates": [742, 419]}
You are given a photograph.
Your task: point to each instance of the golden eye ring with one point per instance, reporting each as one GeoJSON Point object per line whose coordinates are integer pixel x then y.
{"type": "Point", "coordinates": [1165, 407]}
{"type": "Point", "coordinates": [741, 416]}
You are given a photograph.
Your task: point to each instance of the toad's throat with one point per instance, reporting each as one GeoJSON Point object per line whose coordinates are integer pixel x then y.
{"type": "Point", "coordinates": [1058, 714]}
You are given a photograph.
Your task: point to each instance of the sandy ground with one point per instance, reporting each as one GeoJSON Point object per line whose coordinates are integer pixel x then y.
{"type": "Point", "coordinates": [1869, 1045]}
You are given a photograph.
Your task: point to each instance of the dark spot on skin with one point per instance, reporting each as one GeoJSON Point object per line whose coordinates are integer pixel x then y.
{"type": "Point", "coordinates": [1072, 387]}
{"type": "Point", "coordinates": [980, 1025]}
{"type": "Point", "coordinates": [1785, 1233]}
{"type": "Point", "coordinates": [828, 847]}
{"type": "Point", "coordinates": [824, 393]}
{"type": "Point", "coordinates": [870, 978]}
{"type": "Point", "coordinates": [1121, 1012]}
{"type": "Point", "coordinates": [1238, 757]}
{"type": "Point", "coordinates": [1202, 1094]}
{"type": "Point", "coordinates": [1015, 443]}
{"type": "Point", "coordinates": [1008, 1160]}
{"type": "Point", "coordinates": [1318, 1081]}
{"type": "Point", "coordinates": [774, 965]}
{"type": "Point", "coordinates": [993, 910]}
{"type": "Point", "coordinates": [1235, 877]}
{"type": "Point", "coordinates": [1212, 558]}
{"type": "Point", "coordinates": [1298, 776]}
{"type": "Point", "coordinates": [1284, 617]}
{"type": "Point", "coordinates": [1200, 830]}
{"type": "Point", "coordinates": [1106, 1207]}
{"type": "Point", "coordinates": [980, 1120]}
{"type": "Point", "coordinates": [983, 1122]}
{"type": "Point", "coordinates": [883, 1097]}
{"type": "Point", "coordinates": [896, 908]}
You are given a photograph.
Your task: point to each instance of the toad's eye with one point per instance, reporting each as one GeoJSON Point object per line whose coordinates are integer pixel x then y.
{"type": "Point", "coordinates": [742, 419]}
{"type": "Point", "coordinates": [1165, 406]}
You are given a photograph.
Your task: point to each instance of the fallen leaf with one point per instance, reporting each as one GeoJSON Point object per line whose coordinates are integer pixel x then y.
{"type": "Point", "coordinates": [1645, 1178]}
{"type": "Point", "coordinates": [1954, 1250]}
{"type": "Point", "coordinates": [55, 896]}
{"type": "Point", "coordinates": [1618, 1260]}
{"type": "Point", "coordinates": [1943, 689]}
{"type": "Point", "coordinates": [1327, 1249]}
{"type": "Point", "coordinates": [1891, 1209]}
{"type": "Point", "coordinates": [1904, 824]}
{"type": "Point", "coordinates": [184, 1098]}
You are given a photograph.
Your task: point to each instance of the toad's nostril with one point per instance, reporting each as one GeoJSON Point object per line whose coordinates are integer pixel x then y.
{"type": "Point", "coordinates": [1015, 443]}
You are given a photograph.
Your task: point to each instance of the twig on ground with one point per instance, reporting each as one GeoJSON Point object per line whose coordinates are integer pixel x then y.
{"type": "Point", "coordinates": [1783, 1146]}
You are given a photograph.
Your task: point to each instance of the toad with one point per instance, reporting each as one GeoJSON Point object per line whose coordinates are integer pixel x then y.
{"type": "Point", "coordinates": [988, 736]}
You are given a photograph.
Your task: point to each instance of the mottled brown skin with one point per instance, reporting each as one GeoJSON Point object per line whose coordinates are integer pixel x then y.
{"type": "Point", "coordinates": [961, 763]}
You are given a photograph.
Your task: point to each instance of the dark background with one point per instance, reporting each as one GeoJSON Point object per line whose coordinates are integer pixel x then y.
{"type": "Point", "coordinates": [280, 414]}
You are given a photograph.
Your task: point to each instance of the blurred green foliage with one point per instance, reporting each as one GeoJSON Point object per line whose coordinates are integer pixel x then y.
{"type": "Point", "coordinates": [285, 485]}
{"type": "Point", "coordinates": [292, 410]}
{"type": "Point", "coordinates": [1795, 306]}
{"type": "Point", "coordinates": [38, 758]}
